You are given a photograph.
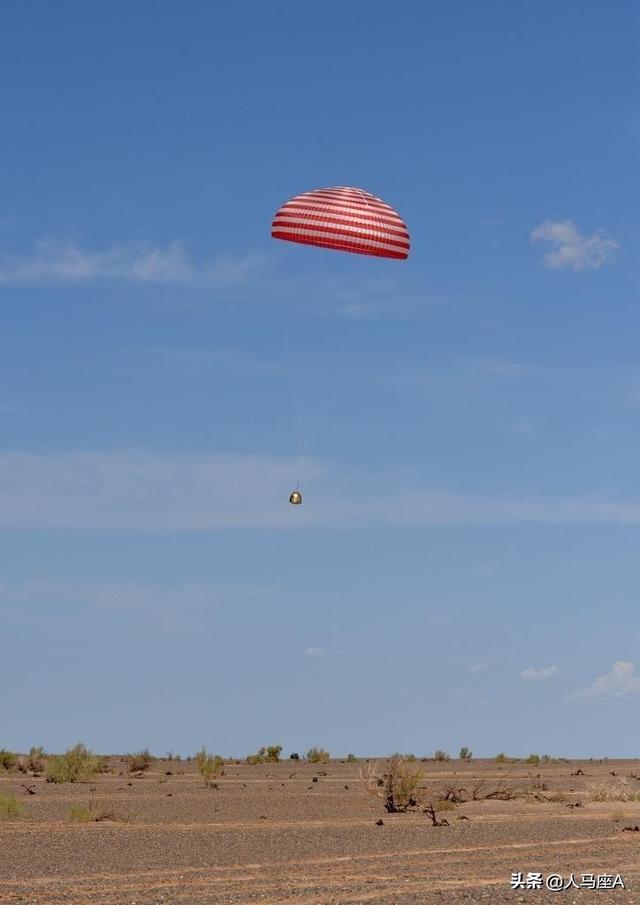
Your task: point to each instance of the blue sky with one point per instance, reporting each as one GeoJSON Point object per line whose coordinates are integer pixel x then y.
{"type": "Point", "coordinates": [464, 569]}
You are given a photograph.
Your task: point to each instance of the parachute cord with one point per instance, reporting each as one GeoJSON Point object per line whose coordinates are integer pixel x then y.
{"type": "Point", "coordinates": [293, 400]}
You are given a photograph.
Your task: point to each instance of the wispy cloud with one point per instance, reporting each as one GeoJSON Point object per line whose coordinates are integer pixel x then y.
{"type": "Point", "coordinates": [146, 492]}
{"type": "Point", "coordinates": [315, 652]}
{"type": "Point", "coordinates": [537, 675]}
{"type": "Point", "coordinates": [476, 668]}
{"type": "Point", "coordinates": [461, 375]}
{"type": "Point", "coordinates": [621, 681]}
{"type": "Point", "coordinates": [63, 261]}
{"type": "Point", "coordinates": [571, 248]}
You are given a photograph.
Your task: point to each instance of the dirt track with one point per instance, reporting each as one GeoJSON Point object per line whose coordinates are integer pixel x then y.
{"type": "Point", "coordinates": [270, 834]}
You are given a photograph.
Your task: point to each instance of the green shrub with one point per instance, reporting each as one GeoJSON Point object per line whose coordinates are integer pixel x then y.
{"type": "Point", "coordinates": [502, 758]}
{"type": "Point", "coordinates": [269, 754]}
{"type": "Point", "coordinates": [209, 765]}
{"type": "Point", "coordinates": [318, 756]}
{"type": "Point", "coordinates": [465, 754]}
{"type": "Point", "coordinates": [76, 765]}
{"type": "Point", "coordinates": [440, 755]}
{"type": "Point", "coordinates": [351, 758]}
{"type": "Point", "coordinates": [8, 760]}
{"type": "Point", "coordinates": [139, 761]}
{"type": "Point", "coordinates": [9, 807]}
{"type": "Point", "coordinates": [533, 759]}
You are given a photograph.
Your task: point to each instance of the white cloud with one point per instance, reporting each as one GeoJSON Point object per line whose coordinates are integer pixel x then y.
{"type": "Point", "coordinates": [315, 652]}
{"type": "Point", "coordinates": [620, 681]}
{"type": "Point", "coordinates": [62, 261]}
{"type": "Point", "coordinates": [572, 249]}
{"type": "Point", "coordinates": [171, 492]}
{"type": "Point", "coordinates": [475, 668]}
{"type": "Point", "coordinates": [536, 675]}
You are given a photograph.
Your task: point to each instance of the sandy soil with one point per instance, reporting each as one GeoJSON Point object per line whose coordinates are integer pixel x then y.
{"type": "Point", "coordinates": [272, 835]}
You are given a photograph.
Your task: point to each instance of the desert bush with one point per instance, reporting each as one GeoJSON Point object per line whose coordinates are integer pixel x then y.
{"type": "Point", "coordinates": [621, 790]}
{"type": "Point", "coordinates": [8, 760]}
{"type": "Point", "coordinates": [140, 761]}
{"type": "Point", "coordinates": [209, 765]}
{"type": "Point", "coordinates": [351, 758]}
{"type": "Point", "coordinates": [76, 765]}
{"type": "Point", "coordinates": [533, 759]}
{"type": "Point", "coordinates": [440, 755]}
{"type": "Point", "coordinates": [318, 756]}
{"type": "Point", "coordinates": [465, 754]}
{"type": "Point", "coordinates": [9, 807]}
{"type": "Point", "coordinates": [411, 758]}
{"type": "Point", "coordinates": [502, 758]}
{"type": "Point", "coordinates": [267, 754]}
{"type": "Point", "coordinates": [398, 785]}
{"type": "Point", "coordinates": [36, 759]}
{"type": "Point", "coordinates": [90, 814]}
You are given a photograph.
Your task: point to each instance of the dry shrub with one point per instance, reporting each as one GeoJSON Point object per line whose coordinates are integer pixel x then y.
{"type": "Point", "coordinates": [269, 754]}
{"type": "Point", "coordinates": [36, 759]}
{"type": "Point", "coordinates": [140, 761]}
{"type": "Point", "coordinates": [398, 785]}
{"type": "Point", "coordinates": [209, 765]}
{"type": "Point", "coordinates": [78, 764]}
{"type": "Point", "coordinates": [8, 760]}
{"type": "Point", "coordinates": [9, 807]}
{"type": "Point", "coordinates": [621, 790]}
{"type": "Point", "coordinates": [318, 756]}
{"type": "Point", "coordinates": [90, 814]}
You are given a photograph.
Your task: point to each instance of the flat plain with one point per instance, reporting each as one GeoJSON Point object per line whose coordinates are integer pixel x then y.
{"type": "Point", "coordinates": [293, 832]}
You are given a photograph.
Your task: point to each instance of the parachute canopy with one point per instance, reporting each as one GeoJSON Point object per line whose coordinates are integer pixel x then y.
{"type": "Point", "coordinates": [345, 219]}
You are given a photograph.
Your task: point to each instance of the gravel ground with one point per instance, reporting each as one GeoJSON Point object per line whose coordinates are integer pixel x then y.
{"type": "Point", "coordinates": [270, 834]}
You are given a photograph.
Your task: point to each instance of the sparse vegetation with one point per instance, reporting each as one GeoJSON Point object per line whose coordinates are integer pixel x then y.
{"type": "Point", "coordinates": [8, 760]}
{"type": "Point", "coordinates": [620, 790]}
{"type": "Point", "coordinates": [441, 755]}
{"type": "Point", "coordinates": [351, 758]}
{"type": "Point", "coordinates": [89, 814]}
{"type": "Point", "coordinates": [78, 764]}
{"type": "Point", "coordinates": [533, 760]}
{"type": "Point", "coordinates": [465, 754]}
{"type": "Point", "coordinates": [209, 765]}
{"type": "Point", "coordinates": [36, 759]}
{"type": "Point", "coordinates": [140, 761]}
{"type": "Point", "coordinates": [318, 756]}
{"type": "Point", "coordinates": [398, 785]}
{"type": "Point", "coordinates": [266, 755]}
{"type": "Point", "coordinates": [502, 758]}
{"type": "Point", "coordinates": [9, 807]}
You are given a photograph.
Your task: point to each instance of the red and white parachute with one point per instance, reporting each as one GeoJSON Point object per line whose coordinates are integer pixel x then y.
{"type": "Point", "coordinates": [345, 219]}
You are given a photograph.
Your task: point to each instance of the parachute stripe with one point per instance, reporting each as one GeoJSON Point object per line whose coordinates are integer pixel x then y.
{"type": "Point", "coordinates": [375, 236]}
{"type": "Point", "coordinates": [370, 227]}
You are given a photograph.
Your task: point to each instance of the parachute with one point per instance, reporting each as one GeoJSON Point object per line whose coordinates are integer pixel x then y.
{"type": "Point", "coordinates": [342, 218]}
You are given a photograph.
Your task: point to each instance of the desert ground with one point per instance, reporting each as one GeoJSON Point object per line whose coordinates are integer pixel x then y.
{"type": "Point", "coordinates": [293, 832]}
